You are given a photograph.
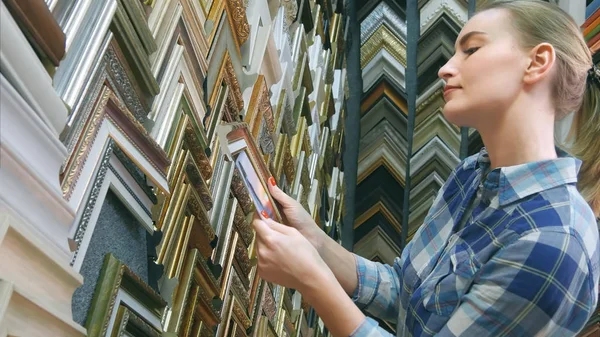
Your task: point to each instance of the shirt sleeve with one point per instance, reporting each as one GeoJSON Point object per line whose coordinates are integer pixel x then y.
{"type": "Point", "coordinates": [378, 289]}
{"type": "Point", "coordinates": [370, 328]}
{"type": "Point", "coordinates": [541, 285]}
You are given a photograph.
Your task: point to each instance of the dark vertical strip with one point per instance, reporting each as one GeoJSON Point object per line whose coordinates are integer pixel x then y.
{"type": "Point", "coordinates": [464, 142]}
{"type": "Point", "coordinates": [464, 131]}
{"type": "Point", "coordinates": [352, 127]}
{"type": "Point", "coordinates": [412, 35]}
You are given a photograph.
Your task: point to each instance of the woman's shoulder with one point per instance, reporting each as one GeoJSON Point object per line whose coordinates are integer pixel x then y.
{"type": "Point", "coordinates": [559, 212]}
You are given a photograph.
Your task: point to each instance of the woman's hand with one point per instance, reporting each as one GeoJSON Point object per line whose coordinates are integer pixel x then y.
{"type": "Point", "coordinates": [296, 216]}
{"type": "Point", "coordinates": [287, 258]}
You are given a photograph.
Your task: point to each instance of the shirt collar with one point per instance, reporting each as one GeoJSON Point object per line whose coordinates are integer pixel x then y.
{"type": "Point", "coordinates": [516, 182]}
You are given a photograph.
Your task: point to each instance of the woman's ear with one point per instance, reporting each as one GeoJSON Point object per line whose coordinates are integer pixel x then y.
{"type": "Point", "coordinates": [541, 60]}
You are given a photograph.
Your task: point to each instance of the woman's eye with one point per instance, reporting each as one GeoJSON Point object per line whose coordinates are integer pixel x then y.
{"type": "Point", "coordinates": [471, 50]}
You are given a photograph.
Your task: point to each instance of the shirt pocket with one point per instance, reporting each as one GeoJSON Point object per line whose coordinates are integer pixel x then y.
{"type": "Point", "coordinates": [449, 280]}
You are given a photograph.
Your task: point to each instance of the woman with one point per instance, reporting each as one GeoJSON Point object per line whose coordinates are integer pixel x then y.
{"type": "Point", "coordinates": [509, 246]}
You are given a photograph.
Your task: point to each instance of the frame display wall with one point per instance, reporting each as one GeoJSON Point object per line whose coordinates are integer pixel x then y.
{"type": "Point", "coordinates": [121, 215]}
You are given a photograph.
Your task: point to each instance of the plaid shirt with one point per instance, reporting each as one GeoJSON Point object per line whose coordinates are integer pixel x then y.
{"type": "Point", "coordinates": [525, 263]}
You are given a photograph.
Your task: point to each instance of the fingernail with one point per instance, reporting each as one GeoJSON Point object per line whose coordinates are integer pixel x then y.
{"type": "Point", "coordinates": [264, 214]}
{"type": "Point", "coordinates": [272, 181]}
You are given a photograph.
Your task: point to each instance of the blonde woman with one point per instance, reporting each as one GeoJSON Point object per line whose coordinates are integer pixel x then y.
{"type": "Point", "coordinates": [510, 245]}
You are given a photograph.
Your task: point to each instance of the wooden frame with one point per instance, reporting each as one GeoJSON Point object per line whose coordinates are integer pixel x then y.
{"type": "Point", "coordinates": [224, 229]}
{"type": "Point", "coordinates": [226, 73]}
{"type": "Point", "coordinates": [277, 163]}
{"type": "Point", "coordinates": [132, 33]}
{"type": "Point", "coordinates": [181, 73]}
{"type": "Point", "coordinates": [186, 148]}
{"type": "Point", "coordinates": [112, 72]}
{"type": "Point", "coordinates": [241, 193]}
{"type": "Point", "coordinates": [284, 87]}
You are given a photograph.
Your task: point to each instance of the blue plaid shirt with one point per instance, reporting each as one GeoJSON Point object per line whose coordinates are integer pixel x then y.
{"type": "Point", "coordinates": [525, 263]}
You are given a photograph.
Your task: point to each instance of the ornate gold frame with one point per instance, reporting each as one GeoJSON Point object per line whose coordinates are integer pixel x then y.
{"type": "Point", "coordinates": [236, 12]}
{"type": "Point", "coordinates": [259, 109]}
{"type": "Point", "coordinates": [109, 107]}
{"type": "Point", "coordinates": [382, 38]}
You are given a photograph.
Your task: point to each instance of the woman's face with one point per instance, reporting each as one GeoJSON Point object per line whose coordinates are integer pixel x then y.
{"type": "Point", "coordinates": [485, 75]}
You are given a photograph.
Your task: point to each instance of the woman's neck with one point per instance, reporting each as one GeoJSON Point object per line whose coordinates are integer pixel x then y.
{"type": "Point", "coordinates": [522, 136]}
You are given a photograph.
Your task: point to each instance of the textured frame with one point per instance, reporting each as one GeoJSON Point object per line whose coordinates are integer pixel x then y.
{"type": "Point", "coordinates": [113, 173]}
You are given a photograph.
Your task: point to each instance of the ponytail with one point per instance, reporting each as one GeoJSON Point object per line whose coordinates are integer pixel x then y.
{"type": "Point", "coordinates": [585, 141]}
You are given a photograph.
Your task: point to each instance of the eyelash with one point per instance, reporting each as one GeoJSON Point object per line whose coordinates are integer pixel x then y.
{"type": "Point", "coordinates": [470, 51]}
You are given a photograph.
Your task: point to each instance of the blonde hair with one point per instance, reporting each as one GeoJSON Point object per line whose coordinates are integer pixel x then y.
{"type": "Point", "coordinates": [536, 22]}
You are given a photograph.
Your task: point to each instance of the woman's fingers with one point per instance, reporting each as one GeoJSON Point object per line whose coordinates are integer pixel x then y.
{"type": "Point", "coordinates": [263, 230]}
{"type": "Point", "coordinates": [276, 226]}
{"type": "Point", "coordinates": [279, 195]}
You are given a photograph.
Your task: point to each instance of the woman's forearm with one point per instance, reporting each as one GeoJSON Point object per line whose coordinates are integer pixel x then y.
{"type": "Point", "coordinates": [340, 315]}
{"type": "Point", "coordinates": [340, 261]}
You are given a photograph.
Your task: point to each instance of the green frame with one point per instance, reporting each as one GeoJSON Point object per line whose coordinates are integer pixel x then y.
{"type": "Point", "coordinates": [115, 275]}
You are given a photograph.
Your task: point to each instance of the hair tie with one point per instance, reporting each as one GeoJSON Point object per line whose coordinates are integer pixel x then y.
{"type": "Point", "coordinates": [594, 75]}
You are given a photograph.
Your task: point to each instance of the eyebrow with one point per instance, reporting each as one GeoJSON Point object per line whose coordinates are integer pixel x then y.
{"type": "Point", "coordinates": [467, 36]}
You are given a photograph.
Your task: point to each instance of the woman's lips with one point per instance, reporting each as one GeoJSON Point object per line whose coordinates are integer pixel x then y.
{"type": "Point", "coordinates": [447, 91]}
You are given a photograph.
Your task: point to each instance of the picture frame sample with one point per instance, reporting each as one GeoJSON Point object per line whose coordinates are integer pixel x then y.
{"type": "Point", "coordinates": [235, 140]}
{"type": "Point", "coordinates": [258, 192]}
{"type": "Point", "coordinates": [123, 302]}
{"type": "Point", "coordinates": [196, 303]}
{"type": "Point", "coordinates": [131, 324]}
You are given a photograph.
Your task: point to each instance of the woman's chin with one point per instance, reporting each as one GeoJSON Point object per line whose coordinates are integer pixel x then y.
{"type": "Point", "coordinates": [453, 115]}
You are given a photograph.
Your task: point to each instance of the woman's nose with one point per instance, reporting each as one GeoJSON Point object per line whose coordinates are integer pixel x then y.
{"type": "Point", "coordinates": [447, 71]}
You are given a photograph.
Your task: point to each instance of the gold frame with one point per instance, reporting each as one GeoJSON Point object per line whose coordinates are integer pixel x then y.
{"type": "Point", "coordinates": [128, 318]}
{"type": "Point", "coordinates": [174, 224]}
{"type": "Point", "coordinates": [382, 38]}
{"type": "Point", "coordinates": [227, 73]}
{"type": "Point", "coordinates": [196, 302]}
{"type": "Point", "coordinates": [298, 138]}
{"type": "Point", "coordinates": [236, 13]}
{"type": "Point", "coordinates": [237, 314]}
{"type": "Point", "coordinates": [243, 226]}
{"type": "Point", "coordinates": [186, 153]}
{"type": "Point", "coordinates": [260, 109]}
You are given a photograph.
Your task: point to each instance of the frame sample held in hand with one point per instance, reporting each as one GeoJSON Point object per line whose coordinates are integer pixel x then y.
{"type": "Point", "coordinates": [238, 145]}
